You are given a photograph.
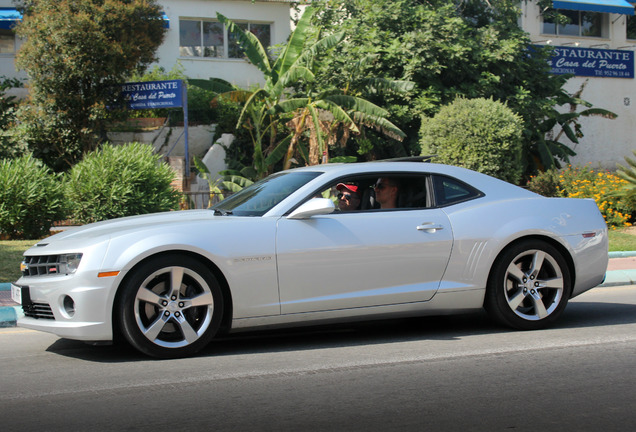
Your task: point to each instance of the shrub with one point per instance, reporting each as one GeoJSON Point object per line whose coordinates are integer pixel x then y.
{"type": "Point", "coordinates": [546, 183]}
{"type": "Point", "coordinates": [585, 182]}
{"type": "Point", "coordinates": [31, 198]}
{"type": "Point", "coordinates": [479, 134]}
{"type": "Point", "coordinates": [628, 192]}
{"type": "Point", "coordinates": [9, 148]}
{"type": "Point", "coordinates": [117, 181]}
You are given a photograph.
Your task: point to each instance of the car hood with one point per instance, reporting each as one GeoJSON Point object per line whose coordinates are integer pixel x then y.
{"type": "Point", "coordinates": [104, 230]}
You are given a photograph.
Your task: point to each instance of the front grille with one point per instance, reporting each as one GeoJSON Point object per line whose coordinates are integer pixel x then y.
{"type": "Point", "coordinates": [38, 310]}
{"type": "Point", "coordinates": [41, 265]}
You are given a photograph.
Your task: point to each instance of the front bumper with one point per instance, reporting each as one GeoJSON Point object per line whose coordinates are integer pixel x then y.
{"type": "Point", "coordinates": [45, 302]}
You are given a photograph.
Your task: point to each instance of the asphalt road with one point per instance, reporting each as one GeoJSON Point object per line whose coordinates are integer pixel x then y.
{"type": "Point", "coordinates": [445, 373]}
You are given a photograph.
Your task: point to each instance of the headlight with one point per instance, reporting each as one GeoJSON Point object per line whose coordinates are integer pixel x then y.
{"type": "Point", "coordinates": [69, 263]}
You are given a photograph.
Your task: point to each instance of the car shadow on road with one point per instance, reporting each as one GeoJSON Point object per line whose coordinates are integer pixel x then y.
{"type": "Point", "coordinates": [452, 327]}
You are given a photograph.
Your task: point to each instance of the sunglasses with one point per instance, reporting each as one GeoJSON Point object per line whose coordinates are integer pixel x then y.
{"type": "Point", "coordinates": [381, 186]}
{"type": "Point", "coordinates": [348, 197]}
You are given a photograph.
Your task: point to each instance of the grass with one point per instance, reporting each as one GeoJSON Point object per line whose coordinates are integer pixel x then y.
{"type": "Point", "coordinates": [622, 240]}
{"type": "Point", "coordinates": [11, 251]}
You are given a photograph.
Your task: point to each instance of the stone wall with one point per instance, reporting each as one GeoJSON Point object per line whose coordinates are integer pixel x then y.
{"type": "Point", "coordinates": [170, 141]}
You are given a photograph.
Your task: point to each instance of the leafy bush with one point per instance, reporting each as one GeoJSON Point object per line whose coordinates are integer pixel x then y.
{"type": "Point", "coordinates": [480, 134]}
{"type": "Point", "coordinates": [117, 181]}
{"type": "Point", "coordinates": [49, 137]}
{"type": "Point", "coordinates": [31, 198]}
{"type": "Point", "coordinates": [546, 183]}
{"type": "Point", "coordinates": [75, 53]}
{"type": "Point", "coordinates": [584, 182]}
{"type": "Point", "coordinates": [9, 148]}
{"type": "Point", "coordinates": [628, 173]}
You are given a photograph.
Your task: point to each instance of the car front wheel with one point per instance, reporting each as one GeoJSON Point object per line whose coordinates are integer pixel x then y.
{"type": "Point", "coordinates": [170, 307]}
{"type": "Point", "coordinates": [529, 286]}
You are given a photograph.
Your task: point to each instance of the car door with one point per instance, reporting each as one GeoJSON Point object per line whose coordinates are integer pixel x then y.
{"type": "Point", "coordinates": [361, 259]}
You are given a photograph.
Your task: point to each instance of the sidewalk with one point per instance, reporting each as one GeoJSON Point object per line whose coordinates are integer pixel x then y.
{"type": "Point", "coordinates": [9, 311]}
{"type": "Point", "coordinates": [621, 270]}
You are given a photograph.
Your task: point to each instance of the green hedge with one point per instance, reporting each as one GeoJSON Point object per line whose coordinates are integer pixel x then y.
{"type": "Point", "coordinates": [480, 134]}
{"type": "Point", "coordinates": [31, 198]}
{"type": "Point", "coordinates": [118, 181]}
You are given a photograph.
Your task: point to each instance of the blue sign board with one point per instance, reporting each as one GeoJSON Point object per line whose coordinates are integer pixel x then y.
{"type": "Point", "coordinates": [592, 62]}
{"type": "Point", "coordinates": [153, 94]}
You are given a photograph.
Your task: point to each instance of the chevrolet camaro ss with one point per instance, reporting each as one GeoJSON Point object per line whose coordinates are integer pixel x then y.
{"type": "Point", "coordinates": [283, 252]}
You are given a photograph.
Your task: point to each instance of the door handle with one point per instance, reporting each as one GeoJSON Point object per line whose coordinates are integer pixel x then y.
{"type": "Point", "coordinates": [430, 227]}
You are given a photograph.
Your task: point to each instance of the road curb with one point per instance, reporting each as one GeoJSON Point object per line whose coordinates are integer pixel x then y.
{"type": "Point", "coordinates": [622, 254]}
{"type": "Point", "coordinates": [619, 277]}
{"type": "Point", "coordinates": [8, 314]}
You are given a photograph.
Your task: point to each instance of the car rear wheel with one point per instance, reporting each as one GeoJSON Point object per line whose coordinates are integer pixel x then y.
{"type": "Point", "coordinates": [529, 286]}
{"type": "Point", "coordinates": [170, 307]}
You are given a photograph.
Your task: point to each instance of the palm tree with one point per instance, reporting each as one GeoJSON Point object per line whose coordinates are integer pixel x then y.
{"type": "Point", "coordinates": [319, 112]}
{"type": "Point", "coordinates": [628, 173]}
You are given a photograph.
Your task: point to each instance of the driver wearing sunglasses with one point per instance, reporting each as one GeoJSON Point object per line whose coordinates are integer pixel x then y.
{"type": "Point", "coordinates": [348, 197]}
{"type": "Point", "coordinates": [386, 192]}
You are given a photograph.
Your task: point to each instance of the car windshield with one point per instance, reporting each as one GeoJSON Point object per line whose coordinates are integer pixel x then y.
{"type": "Point", "coordinates": [262, 196]}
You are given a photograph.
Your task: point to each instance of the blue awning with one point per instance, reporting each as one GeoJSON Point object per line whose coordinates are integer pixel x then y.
{"type": "Point", "coordinates": [8, 17]}
{"type": "Point", "coordinates": [607, 6]}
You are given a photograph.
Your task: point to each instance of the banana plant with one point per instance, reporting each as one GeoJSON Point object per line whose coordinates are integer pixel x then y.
{"type": "Point", "coordinates": [336, 111]}
{"type": "Point", "coordinates": [628, 173]}
{"type": "Point", "coordinates": [273, 104]}
{"type": "Point", "coordinates": [547, 151]}
{"type": "Point", "coordinates": [226, 182]}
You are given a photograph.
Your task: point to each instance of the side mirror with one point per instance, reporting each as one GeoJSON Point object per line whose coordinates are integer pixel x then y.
{"type": "Point", "coordinates": [313, 207]}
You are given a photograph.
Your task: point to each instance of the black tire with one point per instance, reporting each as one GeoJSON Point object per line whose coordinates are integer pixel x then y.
{"type": "Point", "coordinates": [529, 286]}
{"type": "Point", "coordinates": [168, 321]}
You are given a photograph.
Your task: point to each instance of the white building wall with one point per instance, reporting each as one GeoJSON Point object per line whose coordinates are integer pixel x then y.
{"type": "Point", "coordinates": [7, 61]}
{"type": "Point", "coordinates": [606, 142]}
{"type": "Point", "coordinates": [236, 71]}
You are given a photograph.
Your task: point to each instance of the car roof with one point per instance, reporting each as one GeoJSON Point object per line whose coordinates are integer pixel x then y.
{"type": "Point", "coordinates": [478, 180]}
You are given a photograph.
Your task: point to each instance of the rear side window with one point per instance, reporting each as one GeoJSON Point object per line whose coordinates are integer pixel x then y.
{"type": "Point", "coordinates": [450, 191]}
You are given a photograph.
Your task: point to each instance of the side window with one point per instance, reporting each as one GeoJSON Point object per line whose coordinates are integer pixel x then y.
{"type": "Point", "coordinates": [379, 191]}
{"type": "Point", "coordinates": [580, 23]}
{"type": "Point", "coordinates": [449, 190]}
{"type": "Point", "coordinates": [631, 27]}
{"type": "Point", "coordinates": [7, 41]}
{"type": "Point", "coordinates": [210, 38]}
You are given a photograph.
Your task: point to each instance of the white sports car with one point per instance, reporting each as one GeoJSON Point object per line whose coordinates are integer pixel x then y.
{"type": "Point", "coordinates": [314, 245]}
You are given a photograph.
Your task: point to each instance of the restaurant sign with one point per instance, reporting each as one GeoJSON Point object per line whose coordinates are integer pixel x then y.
{"type": "Point", "coordinates": [592, 62]}
{"type": "Point", "coordinates": [153, 94]}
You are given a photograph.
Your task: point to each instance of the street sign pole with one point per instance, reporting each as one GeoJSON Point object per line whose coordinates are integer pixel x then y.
{"type": "Point", "coordinates": [185, 129]}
